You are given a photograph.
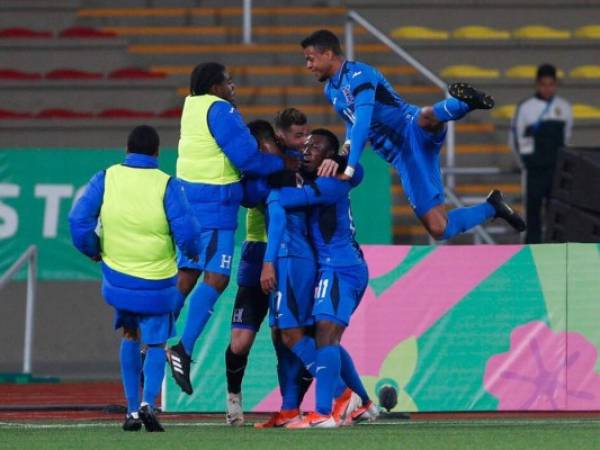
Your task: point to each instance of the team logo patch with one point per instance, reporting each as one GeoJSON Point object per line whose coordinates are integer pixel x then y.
{"type": "Point", "coordinates": [225, 262]}
{"type": "Point", "coordinates": [348, 95]}
{"type": "Point", "coordinates": [238, 315]}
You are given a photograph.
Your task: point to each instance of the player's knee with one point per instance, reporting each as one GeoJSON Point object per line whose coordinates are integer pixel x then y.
{"type": "Point", "coordinates": [428, 121]}
{"type": "Point", "coordinates": [240, 346]}
{"type": "Point", "coordinates": [290, 337]}
{"type": "Point", "coordinates": [437, 230]}
{"type": "Point", "coordinates": [217, 281]}
{"type": "Point", "coordinates": [186, 280]}
{"type": "Point", "coordinates": [131, 334]}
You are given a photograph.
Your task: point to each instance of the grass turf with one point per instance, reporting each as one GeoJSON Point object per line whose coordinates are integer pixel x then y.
{"type": "Point", "coordinates": [431, 435]}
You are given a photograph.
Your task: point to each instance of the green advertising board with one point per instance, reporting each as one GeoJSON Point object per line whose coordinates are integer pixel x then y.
{"type": "Point", "coordinates": [38, 187]}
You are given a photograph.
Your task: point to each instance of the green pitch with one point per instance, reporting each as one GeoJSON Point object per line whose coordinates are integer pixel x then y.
{"type": "Point", "coordinates": [431, 435]}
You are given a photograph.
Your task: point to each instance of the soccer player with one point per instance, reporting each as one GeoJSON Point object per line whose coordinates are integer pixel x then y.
{"type": "Point", "coordinates": [406, 136]}
{"type": "Point", "coordinates": [251, 303]}
{"type": "Point", "coordinates": [215, 147]}
{"type": "Point", "coordinates": [342, 279]}
{"type": "Point", "coordinates": [291, 126]}
{"type": "Point", "coordinates": [141, 211]}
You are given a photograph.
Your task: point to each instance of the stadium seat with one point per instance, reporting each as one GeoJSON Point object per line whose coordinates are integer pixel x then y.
{"type": "Point", "coordinates": [504, 112]}
{"type": "Point", "coordinates": [26, 33]}
{"type": "Point", "coordinates": [12, 74]}
{"type": "Point", "coordinates": [124, 113]}
{"type": "Point", "coordinates": [582, 111]}
{"type": "Point", "coordinates": [85, 33]}
{"type": "Point", "coordinates": [60, 113]}
{"type": "Point", "coordinates": [588, 71]}
{"type": "Point", "coordinates": [540, 32]}
{"type": "Point", "coordinates": [171, 113]}
{"type": "Point", "coordinates": [527, 71]}
{"type": "Point", "coordinates": [135, 73]}
{"type": "Point", "coordinates": [588, 32]}
{"type": "Point", "coordinates": [465, 71]}
{"type": "Point", "coordinates": [7, 114]}
{"type": "Point", "coordinates": [72, 74]}
{"type": "Point", "coordinates": [418, 33]}
{"type": "Point", "coordinates": [480, 32]}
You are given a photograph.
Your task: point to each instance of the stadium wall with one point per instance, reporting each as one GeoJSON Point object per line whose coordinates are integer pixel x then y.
{"type": "Point", "coordinates": [451, 328]}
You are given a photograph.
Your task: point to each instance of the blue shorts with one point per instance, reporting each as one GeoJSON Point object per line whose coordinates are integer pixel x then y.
{"type": "Point", "coordinates": [338, 292]}
{"type": "Point", "coordinates": [216, 254]}
{"type": "Point", "coordinates": [291, 305]}
{"type": "Point", "coordinates": [155, 329]}
{"type": "Point", "coordinates": [418, 164]}
{"type": "Point", "coordinates": [251, 263]}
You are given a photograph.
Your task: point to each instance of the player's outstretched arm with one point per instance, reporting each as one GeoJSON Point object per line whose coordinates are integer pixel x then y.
{"type": "Point", "coordinates": [83, 218]}
{"type": "Point", "coordinates": [182, 222]}
{"type": "Point", "coordinates": [275, 232]}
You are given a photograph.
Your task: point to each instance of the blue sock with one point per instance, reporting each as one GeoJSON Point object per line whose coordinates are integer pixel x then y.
{"type": "Point", "coordinates": [450, 109]}
{"type": "Point", "coordinates": [154, 371]}
{"type": "Point", "coordinates": [180, 304]}
{"type": "Point", "coordinates": [131, 368]}
{"type": "Point", "coordinates": [327, 373]}
{"type": "Point", "coordinates": [463, 219]}
{"type": "Point", "coordinates": [351, 376]}
{"type": "Point", "coordinates": [306, 350]}
{"type": "Point", "coordinates": [289, 368]}
{"type": "Point", "coordinates": [201, 303]}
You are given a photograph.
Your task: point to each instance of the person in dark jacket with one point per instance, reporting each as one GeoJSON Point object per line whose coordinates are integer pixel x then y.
{"type": "Point", "coordinates": [141, 213]}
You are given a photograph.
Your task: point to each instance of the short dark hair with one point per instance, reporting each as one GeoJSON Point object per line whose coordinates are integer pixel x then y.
{"type": "Point", "coordinates": [288, 117]}
{"type": "Point", "coordinates": [143, 139]}
{"type": "Point", "coordinates": [261, 130]}
{"type": "Point", "coordinates": [545, 70]}
{"type": "Point", "coordinates": [332, 140]}
{"type": "Point", "coordinates": [206, 75]}
{"type": "Point", "coordinates": [323, 40]}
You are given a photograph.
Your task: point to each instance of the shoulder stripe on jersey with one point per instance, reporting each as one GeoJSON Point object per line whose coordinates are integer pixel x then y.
{"type": "Point", "coordinates": [362, 87]}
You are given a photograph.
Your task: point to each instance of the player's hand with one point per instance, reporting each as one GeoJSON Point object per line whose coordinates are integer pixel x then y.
{"type": "Point", "coordinates": [291, 163]}
{"type": "Point", "coordinates": [343, 177]}
{"type": "Point", "coordinates": [328, 168]}
{"type": "Point", "coordinates": [268, 281]}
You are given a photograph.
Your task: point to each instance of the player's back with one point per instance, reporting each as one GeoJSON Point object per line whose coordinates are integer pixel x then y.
{"type": "Point", "coordinates": [332, 229]}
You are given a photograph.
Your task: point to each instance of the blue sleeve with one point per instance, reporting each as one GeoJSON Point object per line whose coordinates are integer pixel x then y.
{"type": "Point", "coordinates": [362, 86]}
{"type": "Point", "coordinates": [276, 227]}
{"type": "Point", "coordinates": [184, 226]}
{"type": "Point", "coordinates": [83, 218]}
{"type": "Point", "coordinates": [256, 190]}
{"type": "Point", "coordinates": [359, 174]}
{"type": "Point", "coordinates": [233, 136]}
{"type": "Point", "coordinates": [325, 191]}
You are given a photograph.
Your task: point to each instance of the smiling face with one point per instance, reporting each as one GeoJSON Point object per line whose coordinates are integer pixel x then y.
{"type": "Point", "coordinates": [294, 137]}
{"type": "Point", "coordinates": [225, 89]}
{"type": "Point", "coordinates": [317, 148]}
{"type": "Point", "coordinates": [323, 65]}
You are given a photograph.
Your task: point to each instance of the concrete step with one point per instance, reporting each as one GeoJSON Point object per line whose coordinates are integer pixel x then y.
{"type": "Point", "coordinates": [38, 14]}
{"type": "Point", "coordinates": [104, 54]}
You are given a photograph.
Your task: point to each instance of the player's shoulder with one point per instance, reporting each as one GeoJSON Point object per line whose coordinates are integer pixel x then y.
{"type": "Point", "coordinates": [358, 72]}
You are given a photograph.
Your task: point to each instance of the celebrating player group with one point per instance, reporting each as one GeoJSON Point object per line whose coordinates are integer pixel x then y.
{"type": "Point", "coordinates": [300, 262]}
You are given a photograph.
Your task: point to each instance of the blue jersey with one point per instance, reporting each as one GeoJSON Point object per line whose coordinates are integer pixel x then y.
{"type": "Point", "coordinates": [331, 226]}
{"type": "Point", "coordinates": [371, 109]}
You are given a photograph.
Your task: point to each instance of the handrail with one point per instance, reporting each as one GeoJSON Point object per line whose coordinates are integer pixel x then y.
{"type": "Point", "coordinates": [247, 22]}
{"type": "Point", "coordinates": [352, 17]}
{"type": "Point", "coordinates": [30, 256]}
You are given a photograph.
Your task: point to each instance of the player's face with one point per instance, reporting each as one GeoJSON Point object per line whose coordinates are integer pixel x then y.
{"type": "Point", "coordinates": [315, 151]}
{"type": "Point", "coordinates": [546, 87]}
{"type": "Point", "coordinates": [225, 89]}
{"type": "Point", "coordinates": [294, 137]}
{"type": "Point", "coordinates": [320, 64]}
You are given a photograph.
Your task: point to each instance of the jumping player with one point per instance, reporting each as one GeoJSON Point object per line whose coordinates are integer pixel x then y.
{"type": "Point", "coordinates": [406, 136]}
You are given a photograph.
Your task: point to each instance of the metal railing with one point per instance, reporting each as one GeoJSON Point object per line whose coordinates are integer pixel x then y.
{"type": "Point", "coordinates": [30, 256]}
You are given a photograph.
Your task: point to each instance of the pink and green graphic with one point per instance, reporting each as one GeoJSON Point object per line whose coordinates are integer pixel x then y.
{"type": "Point", "coordinates": [452, 328]}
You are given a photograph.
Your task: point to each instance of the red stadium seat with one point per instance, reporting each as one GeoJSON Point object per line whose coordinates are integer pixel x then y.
{"type": "Point", "coordinates": [7, 114]}
{"type": "Point", "coordinates": [11, 74]}
{"type": "Point", "coordinates": [59, 113]}
{"type": "Point", "coordinates": [24, 33]}
{"type": "Point", "coordinates": [171, 113]}
{"type": "Point", "coordinates": [72, 74]}
{"type": "Point", "coordinates": [135, 73]}
{"type": "Point", "coordinates": [124, 113]}
{"type": "Point", "coordinates": [85, 32]}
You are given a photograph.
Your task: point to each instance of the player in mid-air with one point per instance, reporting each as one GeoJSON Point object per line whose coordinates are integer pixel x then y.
{"type": "Point", "coordinates": [341, 281]}
{"type": "Point", "coordinates": [406, 136]}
